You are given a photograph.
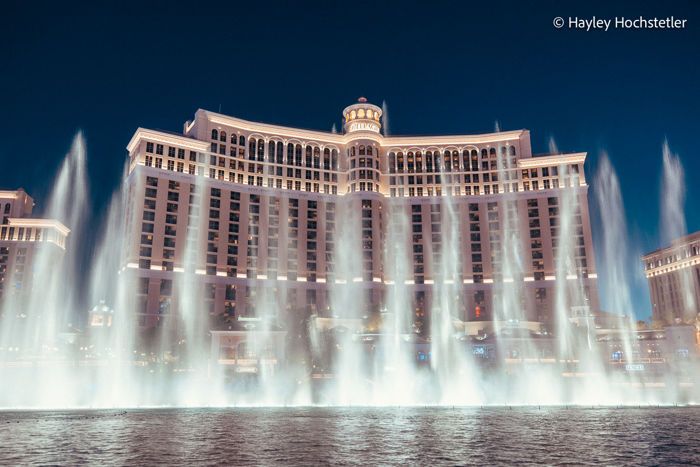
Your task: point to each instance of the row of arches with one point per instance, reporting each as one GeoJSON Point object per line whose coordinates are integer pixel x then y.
{"type": "Point", "coordinates": [217, 135]}
{"type": "Point", "coordinates": [436, 161]}
{"type": "Point", "coordinates": [310, 156]}
{"type": "Point", "coordinates": [294, 154]}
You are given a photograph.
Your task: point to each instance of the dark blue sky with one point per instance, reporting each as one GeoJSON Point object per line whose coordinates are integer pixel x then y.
{"type": "Point", "coordinates": [442, 68]}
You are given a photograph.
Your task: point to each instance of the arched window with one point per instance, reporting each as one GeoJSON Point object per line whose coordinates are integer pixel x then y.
{"type": "Point", "coordinates": [297, 154]}
{"type": "Point", "coordinates": [222, 136]}
{"type": "Point", "coordinates": [492, 151]}
{"type": "Point", "coordinates": [290, 154]}
{"type": "Point", "coordinates": [475, 159]}
{"type": "Point", "coordinates": [447, 161]}
{"type": "Point", "coordinates": [261, 150]}
{"type": "Point", "coordinates": [455, 160]}
{"type": "Point", "coordinates": [429, 161]}
{"type": "Point", "coordinates": [511, 150]}
{"type": "Point", "coordinates": [280, 153]}
{"type": "Point", "coordinates": [215, 134]}
{"type": "Point", "coordinates": [308, 156]}
{"type": "Point", "coordinates": [484, 152]}
{"type": "Point", "coordinates": [326, 159]}
{"type": "Point", "coordinates": [399, 162]}
{"type": "Point", "coordinates": [334, 159]}
{"type": "Point", "coordinates": [251, 149]}
{"type": "Point", "coordinates": [362, 150]}
{"type": "Point", "coordinates": [241, 141]}
{"type": "Point", "coordinates": [234, 139]}
{"type": "Point", "coordinates": [392, 162]}
{"type": "Point", "coordinates": [317, 157]}
{"type": "Point", "coordinates": [271, 151]}
{"type": "Point", "coordinates": [419, 162]}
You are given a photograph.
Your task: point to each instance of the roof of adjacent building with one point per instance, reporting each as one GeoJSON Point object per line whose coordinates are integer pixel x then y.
{"type": "Point", "coordinates": [686, 239]}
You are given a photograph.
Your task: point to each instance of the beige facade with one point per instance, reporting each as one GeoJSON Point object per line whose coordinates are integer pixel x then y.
{"type": "Point", "coordinates": [20, 237]}
{"type": "Point", "coordinates": [274, 204]}
{"type": "Point", "coordinates": [673, 274]}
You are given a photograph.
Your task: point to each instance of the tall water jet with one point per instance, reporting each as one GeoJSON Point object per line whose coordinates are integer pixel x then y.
{"type": "Point", "coordinates": [615, 267]}
{"type": "Point", "coordinates": [385, 118]}
{"type": "Point", "coordinates": [183, 313]}
{"type": "Point", "coordinates": [511, 322]}
{"type": "Point", "coordinates": [565, 266]}
{"type": "Point", "coordinates": [567, 296]}
{"type": "Point", "coordinates": [397, 367]}
{"type": "Point", "coordinates": [673, 224]}
{"type": "Point", "coordinates": [452, 366]}
{"type": "Point", "coordinates": [111, 323]}
{"type": "Point", "coordinates": [347, 300]}
{"type": "Point", "coordinates": [68, 203]}
{"type": "Point", "coordinates": [35, 317]}
{"type": "Point", "coordinates": [615, 255]}
{"type": "Point", "coordinates": [575, 321]}
{"type": "Point", "coordinates": [508, 303]}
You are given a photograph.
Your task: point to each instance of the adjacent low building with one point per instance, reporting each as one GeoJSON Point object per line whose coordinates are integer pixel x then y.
{"type": "Point", "coordinates": [21, 236]}
{"type": "Point", "coordinates": [673, 274]}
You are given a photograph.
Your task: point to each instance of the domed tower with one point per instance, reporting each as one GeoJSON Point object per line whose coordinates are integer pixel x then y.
{"type": "Point", "coordinates": [362, 116]}
{"type": "Point", "coordinates": [363, 121]}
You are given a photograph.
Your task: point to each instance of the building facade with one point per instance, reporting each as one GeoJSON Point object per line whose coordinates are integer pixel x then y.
{"type": "Point", "coordinates": [673, 274]}
{"type": "Point", "coordinates": [275, 206]}
{"type": "Point", "coordinates": [20, 238]}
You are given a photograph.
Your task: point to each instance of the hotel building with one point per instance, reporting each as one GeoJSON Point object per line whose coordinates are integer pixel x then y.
{"type": "Point", "coordinates": [273, 202]}
{"type": "Point", "coordinates": [21, 237]}
{"type": "Point", "coordinates": [673, 274]}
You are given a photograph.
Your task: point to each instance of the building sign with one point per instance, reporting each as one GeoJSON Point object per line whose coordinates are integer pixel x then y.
{"type": "Point", "coordinates": [363, 126]}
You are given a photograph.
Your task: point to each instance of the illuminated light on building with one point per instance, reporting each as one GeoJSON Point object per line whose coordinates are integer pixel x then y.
{"type": "Point", "coordinates": [100, 316]}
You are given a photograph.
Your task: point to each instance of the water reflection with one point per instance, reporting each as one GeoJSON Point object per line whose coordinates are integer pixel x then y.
{"type": "Point", "coordinates": [484, 436]}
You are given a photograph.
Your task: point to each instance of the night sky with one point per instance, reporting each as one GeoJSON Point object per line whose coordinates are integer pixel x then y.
{"type": "Point", "coordinates": [441, 68]}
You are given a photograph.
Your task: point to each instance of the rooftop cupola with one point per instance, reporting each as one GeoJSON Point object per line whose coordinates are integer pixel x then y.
{"type": "Point", "coordinates": [362, 116]}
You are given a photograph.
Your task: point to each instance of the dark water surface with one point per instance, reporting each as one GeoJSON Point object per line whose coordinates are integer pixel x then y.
{"type": "Point", "coordinates": [347, 436]}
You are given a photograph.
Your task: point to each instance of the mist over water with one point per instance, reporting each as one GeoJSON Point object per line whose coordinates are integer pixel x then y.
{"type": "Point", "coordinates": [375, 357]}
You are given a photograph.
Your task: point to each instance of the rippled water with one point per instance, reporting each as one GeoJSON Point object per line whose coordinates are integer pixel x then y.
{"type": "Point", "coordinates": [346, 436]}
